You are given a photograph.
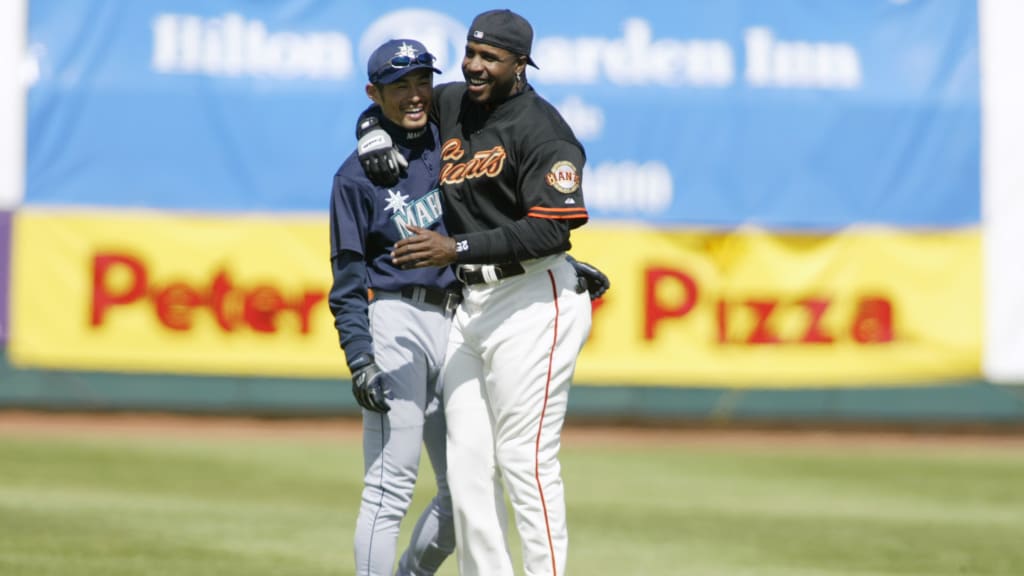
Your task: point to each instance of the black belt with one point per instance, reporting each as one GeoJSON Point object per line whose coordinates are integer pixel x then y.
{"type": "Point", "coordinates": [431, 295]}
{"type": "Point", "coordinates": [475, 274]}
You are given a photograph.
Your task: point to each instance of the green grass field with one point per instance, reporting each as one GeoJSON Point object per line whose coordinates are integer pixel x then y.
{"type": "Point", "coordinates": [142, 504]}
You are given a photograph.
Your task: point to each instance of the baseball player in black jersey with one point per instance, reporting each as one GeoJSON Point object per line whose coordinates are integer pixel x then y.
{"type": "Point", "coordinates": [510, 179]}
{"type": "Point", "coordinates": [395, 341]}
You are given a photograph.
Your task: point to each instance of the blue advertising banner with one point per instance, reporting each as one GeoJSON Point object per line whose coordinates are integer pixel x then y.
{"type": "Point", "coordinates": [784, 114]}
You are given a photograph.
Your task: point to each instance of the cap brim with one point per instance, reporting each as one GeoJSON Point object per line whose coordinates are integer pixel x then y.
{"type": "Point", "coordinates": [396, 74]}
{"type": "Point", "coordinates": [532, 63]}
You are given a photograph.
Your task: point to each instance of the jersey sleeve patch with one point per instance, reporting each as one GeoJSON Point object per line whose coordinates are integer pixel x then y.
{"type": "Point", "coordinates": [564, 177]}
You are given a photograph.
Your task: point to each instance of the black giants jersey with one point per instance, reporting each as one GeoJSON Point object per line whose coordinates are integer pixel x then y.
{"type": "Point", "coordinates": [512, 171]}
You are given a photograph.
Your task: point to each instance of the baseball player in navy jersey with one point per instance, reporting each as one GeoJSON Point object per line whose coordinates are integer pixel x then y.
{"type": "Point", "coordinates": [394, 340]}
{"type": "Point", "coordinates": [510, 179]}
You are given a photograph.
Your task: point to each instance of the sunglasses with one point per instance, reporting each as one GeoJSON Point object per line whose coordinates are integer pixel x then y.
{"type": "Point", "coordinates": [424, 58]}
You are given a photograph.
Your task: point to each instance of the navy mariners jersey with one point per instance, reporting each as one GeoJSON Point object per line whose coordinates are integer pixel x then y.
{"type": "Point", "coordinates": [369, 219]}
{"type": "Point", "coordinates": [518, 160]}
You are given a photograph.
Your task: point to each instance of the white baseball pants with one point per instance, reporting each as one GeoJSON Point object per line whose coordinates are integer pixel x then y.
{"type": "Point", "coordinates": [509, 364]}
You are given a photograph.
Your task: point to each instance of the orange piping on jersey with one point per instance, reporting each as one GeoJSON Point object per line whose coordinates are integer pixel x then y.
{"type": "Point", "coordinates": [557, 213]}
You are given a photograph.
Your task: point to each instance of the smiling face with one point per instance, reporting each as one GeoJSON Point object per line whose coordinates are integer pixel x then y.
{"type": "Point", "coordinates": [406, 101]}
{"type": "Point", "coordinates": [490, 72]}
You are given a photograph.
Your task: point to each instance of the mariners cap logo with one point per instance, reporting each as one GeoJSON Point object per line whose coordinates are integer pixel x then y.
{"type": "Point", "coordinates": [406, 50]}
{"type": "Point", "coordinates": [564, 177]}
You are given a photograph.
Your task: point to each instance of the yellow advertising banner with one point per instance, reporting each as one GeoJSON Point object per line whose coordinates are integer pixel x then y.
{"type": "Point", "coordinates": [756, 309]}
{"type": "Point", "coordinates": [746, 308]}
{"type": "Point", "coordinates": [173, 293]}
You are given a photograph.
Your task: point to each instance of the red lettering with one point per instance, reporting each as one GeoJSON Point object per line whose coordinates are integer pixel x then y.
{"type": "Point", "coordinates": [655, 313]}
{"type": "Point", "coordinates": [103, 297]}
{"type": "Point", "coordinates": [174, 305]}
{"type": "Point", "coordinates": [261, 307]}
{"type": "Point", "coordinates": [872, 323]}
{"type": "Point", "coordinates": [815, 333]}
{"type": "Point", "coordinates": [762, 332]}
{"type": "Point", "coordinates": [219, 301]}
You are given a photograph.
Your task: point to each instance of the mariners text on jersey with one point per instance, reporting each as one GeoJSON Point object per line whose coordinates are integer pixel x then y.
{"type": "Point", "coordinates": [424, 212]}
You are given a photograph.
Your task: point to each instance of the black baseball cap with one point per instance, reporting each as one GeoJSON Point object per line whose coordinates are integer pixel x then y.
{"type": "Point", "coordinates": [396, 58]}
{"type": "Point", "coordinates": [504, 29]}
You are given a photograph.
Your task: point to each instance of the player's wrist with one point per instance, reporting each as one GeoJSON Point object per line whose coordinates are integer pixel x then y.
{"type": "Point", "coordinates": [459, 247]}
{"type": "Point", "coordinates": [361, 360]}
{"type": "Point", "coordinates": [367, 121]}
{"type": "Point", "coordinates": [451, 253]}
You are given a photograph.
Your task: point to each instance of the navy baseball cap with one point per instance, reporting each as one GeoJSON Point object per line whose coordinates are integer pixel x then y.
{"type": "Point", "coordinates": [504, 29]}
{"type": "Point", "coordinates": [396, 58]}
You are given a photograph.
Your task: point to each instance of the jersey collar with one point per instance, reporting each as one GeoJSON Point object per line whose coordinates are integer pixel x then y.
{"type": "Point", "coordinates": [403, 137]}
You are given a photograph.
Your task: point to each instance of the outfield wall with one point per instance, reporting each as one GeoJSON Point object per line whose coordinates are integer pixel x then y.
{"type": "Point", "coordinates": [953, 404]}
{"type": "Point", "coordinates": [803, 206]}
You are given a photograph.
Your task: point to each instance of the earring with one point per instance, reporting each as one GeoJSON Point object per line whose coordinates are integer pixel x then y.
{"type": "Point", "coordinates": [519, 78]}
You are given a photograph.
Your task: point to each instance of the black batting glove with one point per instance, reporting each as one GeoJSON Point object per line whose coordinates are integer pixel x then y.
{"type": "Point", "coordinates": [597, 282]}
{"type": "Point", "coordinates": [370, 384]}
{"type": "Point", "coordinates": [381, 160]}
